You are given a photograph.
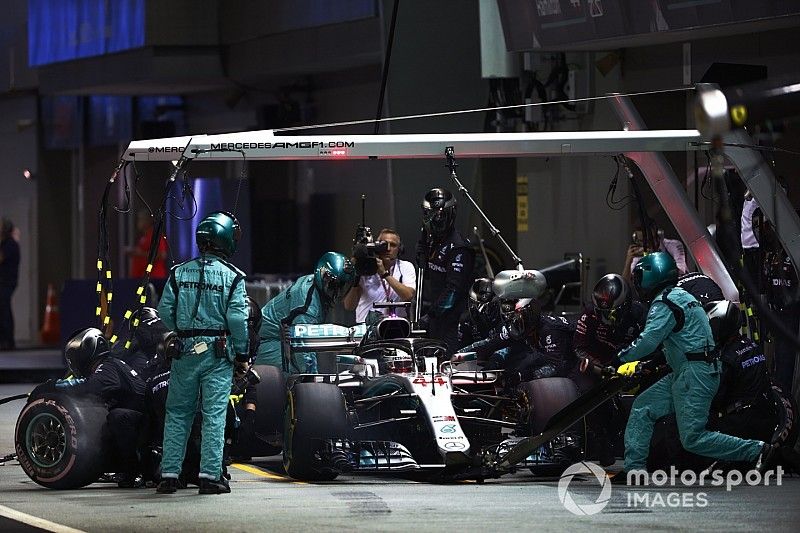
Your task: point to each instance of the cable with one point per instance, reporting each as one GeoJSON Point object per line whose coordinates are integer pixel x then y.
{"type": "Point", "coordinates": [758, 147]}
{"type": "Point", "coordinates": [621, 203]}
{"type": "Point", "coordinates": [105, 284]}
{"type": "Point", "coordinates": [707, 180]}
{"type": "Point", "coordinates": [131, 316]}
{"type": "Point", "coordinates": [646, 222]}
{"type": "Point", "coordinates": [242, 177]}
{"type": "Point", "coordinates": [127, 189]}
{"type": "Point", "coordinates": [477, 110]}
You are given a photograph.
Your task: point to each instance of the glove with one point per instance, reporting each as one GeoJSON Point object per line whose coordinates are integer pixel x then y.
{"type": "Point", "coordinates": [628, 369]}
{"type": "Point", "coordinates": [247, 426]}
{"type": "Point", "coordinates": [240, 367]}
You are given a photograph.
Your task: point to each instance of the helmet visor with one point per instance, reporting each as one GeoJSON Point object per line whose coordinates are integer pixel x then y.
{"type": "Point", "coordinates": [332, 286]}
{"type": "Point", "coordinates": [437, 220]}
{"type": "Point", "coordinates": [517, 326]}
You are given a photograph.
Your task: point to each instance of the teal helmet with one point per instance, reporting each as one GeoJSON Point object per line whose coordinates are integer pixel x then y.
{"type": "Point", "coordinates": [219, 232]}
{"type": "Point", "coordinates": [334, 275]}
{"type": "Point", "coordinates": [653, 273]}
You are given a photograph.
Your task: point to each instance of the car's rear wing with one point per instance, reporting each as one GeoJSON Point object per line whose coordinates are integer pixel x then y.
{"type": "Point", "coordinates": [304, 338]}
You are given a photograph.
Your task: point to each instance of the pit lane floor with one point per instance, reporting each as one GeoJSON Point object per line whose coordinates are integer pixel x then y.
{"type": "Point", "coordinates": [263, 499]}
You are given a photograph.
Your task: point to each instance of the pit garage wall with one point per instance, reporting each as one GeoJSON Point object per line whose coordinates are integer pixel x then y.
{"type": "Point", "coordinates": [18, 151]}
{"type": "Point", "coordinates": [566, 201]}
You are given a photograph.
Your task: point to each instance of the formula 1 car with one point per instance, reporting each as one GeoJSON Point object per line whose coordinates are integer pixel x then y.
{"type": "Point", "coordinates": [400, 405]}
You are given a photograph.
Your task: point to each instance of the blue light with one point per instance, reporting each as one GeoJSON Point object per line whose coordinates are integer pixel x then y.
{"type": "Point", "coordinates": [209, 197]}
{"type": "Point", "coordinates": [60, 30]}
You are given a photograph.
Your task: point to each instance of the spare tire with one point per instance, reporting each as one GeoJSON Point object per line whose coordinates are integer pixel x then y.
{"type": "Point", "coordinates": [270, 407]}
{"type": "Point", "coordinates": [543, 398]}
{"type": "Point", "coordinates": [314, 412]}
{"type": "Point", "coordinates": [58, 439]}
{"type": "Point", "coordinates": [788, 423]}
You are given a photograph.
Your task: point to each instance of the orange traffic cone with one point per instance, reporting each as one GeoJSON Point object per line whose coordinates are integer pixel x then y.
{"type": "Point", "coordinates": [51, 326]}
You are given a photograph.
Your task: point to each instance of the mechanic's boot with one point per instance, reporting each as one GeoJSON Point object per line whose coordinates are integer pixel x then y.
{"type": "Point", "coordinates": [208, 486]}
{"type": "Point", "coordinates": [168, 485]}
{"type": "Point", "coordinates": [766, 458]}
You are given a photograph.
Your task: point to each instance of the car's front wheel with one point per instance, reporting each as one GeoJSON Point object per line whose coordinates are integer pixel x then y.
{"type": "Point", "coordinates": [314, 412]}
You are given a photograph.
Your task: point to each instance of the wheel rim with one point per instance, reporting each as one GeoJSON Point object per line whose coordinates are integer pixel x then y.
{"type": "Point", "coordinates": [46, 440]}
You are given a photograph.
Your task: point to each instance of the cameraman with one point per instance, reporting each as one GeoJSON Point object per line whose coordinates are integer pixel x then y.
{"type": "Point", "coordinates": [395, 280]}
{"type": "Point", "coordinates": [656, 242]}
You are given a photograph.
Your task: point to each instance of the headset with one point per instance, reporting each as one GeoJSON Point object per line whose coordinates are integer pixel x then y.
{"type": "Point", "coordinates": [401, 249]}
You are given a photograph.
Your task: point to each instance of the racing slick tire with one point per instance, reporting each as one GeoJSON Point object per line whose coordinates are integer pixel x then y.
{"type": "Point", "coordinates": [544, 398]}
{"type": "Point", "coordinates": [788, 425]}
{"type": "Point", "coordinates": [314, 412]}
{"type": "Point", "coordinates": [271, 392]}
{"type": "Point", "coordinates": [59, 440]}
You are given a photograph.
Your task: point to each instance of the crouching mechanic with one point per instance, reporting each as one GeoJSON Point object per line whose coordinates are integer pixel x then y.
{"type": "Point", "coordinates": [539, 345]}
{"type": "Point", "coordinates": [742, 406]}
{"type": "Point", "coordinates": [742, 403]}
{"type": "Point", "coordinates": [95, 372]}
{"type": "Point", "coordinates": [204, 301]}
{"type": "Point", "coordinates": [677, 320]}
{"type": "Point", "coordinates": [306, 301]}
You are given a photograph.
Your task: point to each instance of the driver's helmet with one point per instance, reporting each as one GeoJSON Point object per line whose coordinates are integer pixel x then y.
{"type": "Point", "coordinates": [611, 297]}
{"type": "Point", "coordinates": [524, 321]}
{"type": "Point", "coordinates": [333, 276]}
{"type": "Point", "coordinates": [219, 233]}
{"type": "Point", "coordinates": [397, 361]}
{"type": "Point", "coordinates": [439, 212]}
{"type": "Point", "coordinates": [725, 319]}
{"type": "Point", "coordinates": [83, 349]}
{"type": "Point", "coordinates": [653, 273]}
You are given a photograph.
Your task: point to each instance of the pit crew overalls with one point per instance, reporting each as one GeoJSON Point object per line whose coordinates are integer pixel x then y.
{"type": "Point", "coordinates": [204, 302]}
{"type": "Point", "coordinates": [687, 391]}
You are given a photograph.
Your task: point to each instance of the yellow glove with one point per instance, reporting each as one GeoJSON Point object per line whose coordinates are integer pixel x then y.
{"type": "Point", "coordinates": [628, 369]}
